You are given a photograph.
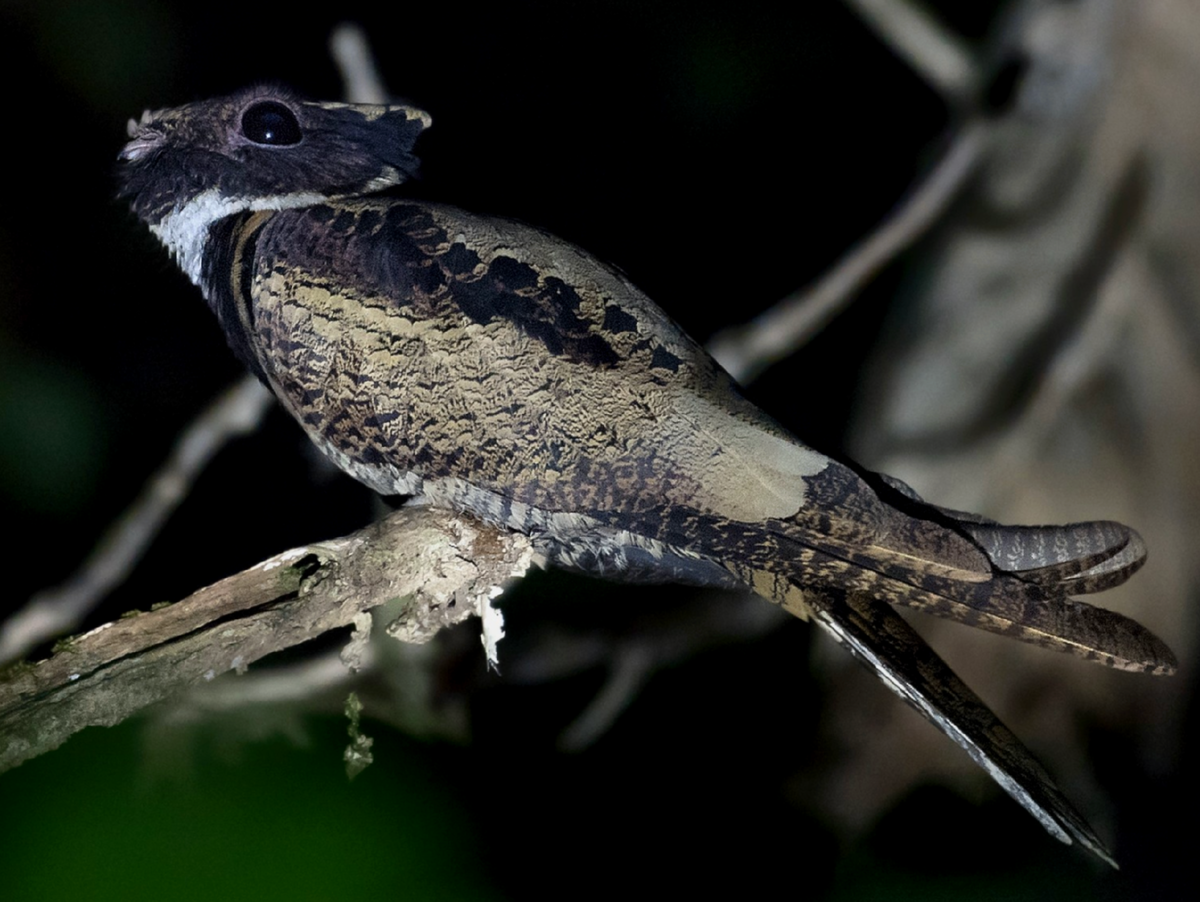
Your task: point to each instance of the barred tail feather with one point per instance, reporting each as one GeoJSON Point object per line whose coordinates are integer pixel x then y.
{"type": "Point", "coordinates": [1081, 558]}
{"type": "Point", "coordinates": [1029, 602]}
{"type": "Point", "coordinates": [889, 647]}
{"type": "Point", "coordinates": [1055, 622]}
{"type": "Point", "coordinates": [954, 568]}
{"type": "Point", "coordinates": [1000, 602]}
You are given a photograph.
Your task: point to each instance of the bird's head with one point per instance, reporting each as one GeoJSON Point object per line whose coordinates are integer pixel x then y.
{"type": "Point", "coordinates": [263, 148]}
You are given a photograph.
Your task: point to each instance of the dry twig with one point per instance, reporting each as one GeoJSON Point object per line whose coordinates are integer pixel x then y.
{"type": "Point", "coordinates": [448, 565]}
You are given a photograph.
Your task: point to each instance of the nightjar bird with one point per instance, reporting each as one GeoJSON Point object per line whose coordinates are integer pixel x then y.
{"type": "Point", "coordinates": [500, 371]}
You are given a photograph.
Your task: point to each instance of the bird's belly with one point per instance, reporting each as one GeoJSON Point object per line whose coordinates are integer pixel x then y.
{"type": "Point", "coordinates": [597, 543]}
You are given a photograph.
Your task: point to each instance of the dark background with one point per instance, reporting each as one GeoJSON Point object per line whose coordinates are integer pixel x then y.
{"type": "Point", "coordinates": [722, 155]}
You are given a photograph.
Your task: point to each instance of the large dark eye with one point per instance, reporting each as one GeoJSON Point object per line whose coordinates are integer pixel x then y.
{"type": "Point", "coordinates": [272, 123]}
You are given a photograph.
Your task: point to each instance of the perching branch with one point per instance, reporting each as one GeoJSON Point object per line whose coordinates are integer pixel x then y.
{"type": "Point", "coordinates": [446, 566]}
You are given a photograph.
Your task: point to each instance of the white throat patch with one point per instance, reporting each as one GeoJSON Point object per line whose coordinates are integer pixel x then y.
{"type": "Point", "coordinates": [184, 230]}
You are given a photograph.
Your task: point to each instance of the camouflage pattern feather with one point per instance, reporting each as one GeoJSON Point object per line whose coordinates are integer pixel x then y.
{"type": "Point", "coordinates": [495, 369]}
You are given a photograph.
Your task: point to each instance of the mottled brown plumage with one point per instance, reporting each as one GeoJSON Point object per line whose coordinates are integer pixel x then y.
{"type": "Point", "coordinates": [495, 369]}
